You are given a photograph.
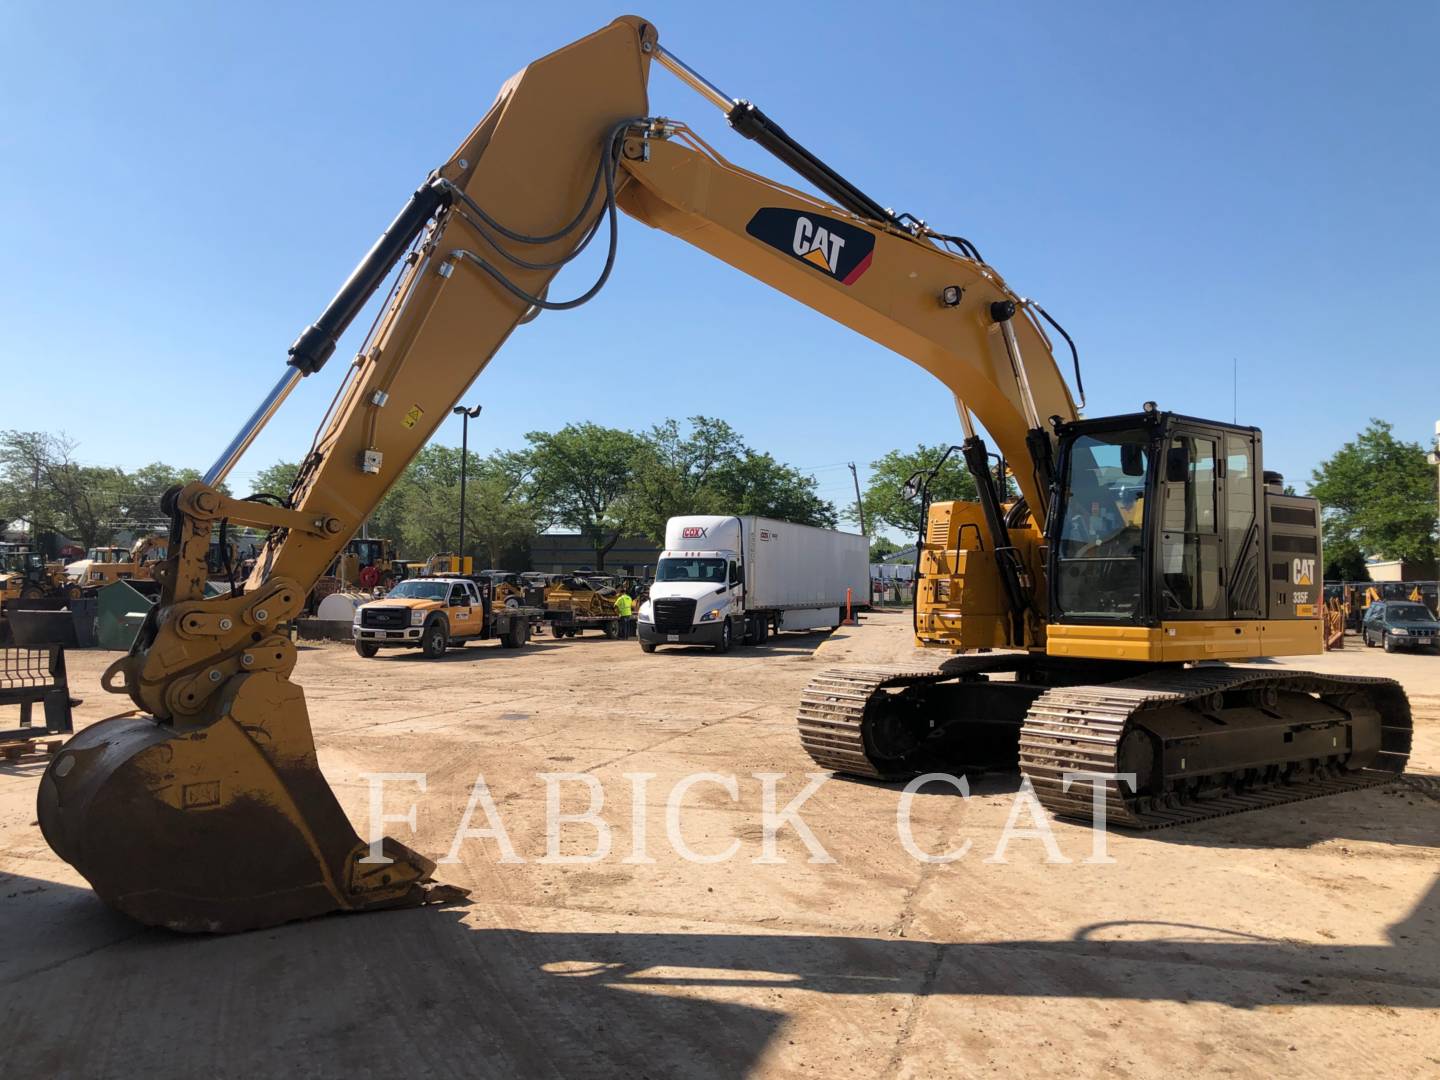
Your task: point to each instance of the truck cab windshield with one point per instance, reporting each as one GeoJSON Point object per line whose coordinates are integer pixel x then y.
{"type": "Point", "coordinates": [419, 590]}
{"type": "Point", "coordinates": [708, 570]}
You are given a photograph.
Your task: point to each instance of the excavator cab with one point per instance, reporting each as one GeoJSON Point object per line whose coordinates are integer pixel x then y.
{"type": "Point", "coordinates": [1166, 542]}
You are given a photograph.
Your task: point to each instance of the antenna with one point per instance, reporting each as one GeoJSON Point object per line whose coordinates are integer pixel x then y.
{"type": "Point", "coordinates": [1234, 391]}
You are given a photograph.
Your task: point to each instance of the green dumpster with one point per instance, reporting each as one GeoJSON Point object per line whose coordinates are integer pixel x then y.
{"type": "Point", "coordinates": [122, 609]}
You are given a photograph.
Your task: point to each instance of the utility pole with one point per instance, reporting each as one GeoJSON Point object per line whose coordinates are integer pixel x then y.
{"type": "Point", "coordinates": [466, 416]}
{"type": "Point", "coordinates": [859, 506]}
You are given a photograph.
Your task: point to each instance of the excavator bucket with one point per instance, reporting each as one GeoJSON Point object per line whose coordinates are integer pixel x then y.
{"type": "Point", "coordinates": [220, 826]}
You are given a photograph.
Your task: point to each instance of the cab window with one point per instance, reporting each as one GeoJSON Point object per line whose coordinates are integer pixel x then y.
{"type": "Point", "coordinates": [1101, 549]}
{"type": "Point", "coordinates": [1189, 540]}
{"type": "Point", "coordinates": [1239, 496]}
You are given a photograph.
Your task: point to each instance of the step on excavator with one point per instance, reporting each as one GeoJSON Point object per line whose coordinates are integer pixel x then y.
{"type": "Point", "coordinates": [1141, 549]}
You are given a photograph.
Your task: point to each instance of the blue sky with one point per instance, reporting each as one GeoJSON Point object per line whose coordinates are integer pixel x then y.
{"type": "Point", "coordinates": [183, 187]}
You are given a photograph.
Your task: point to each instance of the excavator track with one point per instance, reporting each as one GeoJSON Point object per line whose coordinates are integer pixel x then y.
{"type": "Point", "coordinates": [1081, 729]}
{"type": "Point", "coordinates": [855, 720]}
{"type": "Point", "coordinates": [839, 705]}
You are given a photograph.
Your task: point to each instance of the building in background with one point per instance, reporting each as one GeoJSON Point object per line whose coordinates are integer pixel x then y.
{"type": "Point", "coordinates": [1406, 570]}
{"type": "Point", "coordinates": [559, 553]}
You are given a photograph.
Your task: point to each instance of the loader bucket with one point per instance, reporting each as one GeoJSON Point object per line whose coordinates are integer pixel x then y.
{"type": "Point", "coordinates": [221, 826]}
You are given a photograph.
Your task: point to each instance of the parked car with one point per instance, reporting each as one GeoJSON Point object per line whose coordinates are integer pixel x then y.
{"type": "Point", "coordinates": [1400, 624]}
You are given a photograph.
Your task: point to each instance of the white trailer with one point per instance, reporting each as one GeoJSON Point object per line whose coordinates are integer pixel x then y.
{"type": "Point", "coordinates": [728, 580]}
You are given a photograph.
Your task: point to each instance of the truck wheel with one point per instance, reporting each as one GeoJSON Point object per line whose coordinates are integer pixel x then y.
{"type": "Point", "coordinates": [725, 640]}
{"type": "Point", "coordinates": [764, 630]}
{"type": "Point", "coordinates": [752, 632]}
{"type": "Point", "coordinates": [367, 649]}
{"type": "Point", "coordinates": [516, 635]}
{"type": "Point", "coordinates": [647, 646]}
{"type": "Point", "coordinates": [435, 640]}
{"type": "Point", "coordinates": [612, 630]}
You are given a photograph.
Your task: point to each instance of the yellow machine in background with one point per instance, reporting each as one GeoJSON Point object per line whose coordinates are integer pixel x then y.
{"type": "Point", "coordinates": [449, 563]}
{"type": "Point", "coordinates": [576, 602]}
{"type": "Point", "coordinates": [28, 575]}
{"type": "Point", "coordinates": [205, 808]}
{"type": "Point", "coordinates": [104, 565]}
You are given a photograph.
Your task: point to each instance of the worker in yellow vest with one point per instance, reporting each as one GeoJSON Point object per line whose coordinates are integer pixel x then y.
{"type": "Point", "coordinates": [625, 608]}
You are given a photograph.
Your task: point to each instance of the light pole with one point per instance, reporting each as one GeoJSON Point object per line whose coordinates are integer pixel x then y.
{"type": "Point", "coordinates": [859, 506]}
{"type": "Point", "coordinates": [466, 416]}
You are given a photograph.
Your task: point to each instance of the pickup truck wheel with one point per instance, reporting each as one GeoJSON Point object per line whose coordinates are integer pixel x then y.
{"type": "Point", "coordinates": [435, 640]}
{"type": "Point", "coordinates": [1389, 643]}
{"type": "Point", "coordinates": [516, 635]}
{"type": "Point", "coordinates": [367, 649]}
{"type": "Point", "coordinates": [725, 639]}
{"type": "Point", "coordinates": [647, 646]}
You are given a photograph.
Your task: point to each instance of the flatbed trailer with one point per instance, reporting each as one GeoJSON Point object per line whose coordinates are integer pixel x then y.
{"type": "Point", "coordinates": [565, 623]}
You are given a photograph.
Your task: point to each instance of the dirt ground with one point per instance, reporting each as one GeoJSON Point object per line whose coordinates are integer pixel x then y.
{"type": "Point", "coordinates": [1297, 941]}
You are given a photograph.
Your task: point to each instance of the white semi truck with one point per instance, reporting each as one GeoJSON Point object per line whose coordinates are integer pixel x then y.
{"type": "Point", "coordinates": [727, 580]}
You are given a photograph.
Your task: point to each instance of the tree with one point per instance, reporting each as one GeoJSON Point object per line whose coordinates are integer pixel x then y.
{"type": "Point", "coordinates": [882, 546]}
{"type": "Point", "coordinates": [46, 485]}
{"type": "Point", "coordinates": [674, 472]}
{"type": "Point", "coordinates": [498, 510]}
{"type": "Point", "coordinates": [1344, 561]}
{"type": "Point", "coordinates": [147, 486]}
{"type": "Point", "coordinates": [277, 479]}
{"type": "Point", "coordinates": [1378, 497]}
{"type": "Point", "coordinates": [884, 500]}
{"type": "Point", "coordinates": [582, 474]}
{"type": "Point", "coordinates": [709, 470]}
{"type": "Point", "coordinates": [23, 458]}
{"type": "Point", "coordinates": [758, 484]}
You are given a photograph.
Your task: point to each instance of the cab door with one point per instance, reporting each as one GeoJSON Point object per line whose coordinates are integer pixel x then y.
{"type": "Point", "coordinates": [1191, 570]}
{"type": "Point", "coordinates": [461, 608]}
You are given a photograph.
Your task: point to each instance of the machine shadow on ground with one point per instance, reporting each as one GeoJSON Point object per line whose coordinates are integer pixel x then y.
{"type": "Point", "coordinates": [1409, 815]}
{"type": "Point", "coordinates": [445, 994]}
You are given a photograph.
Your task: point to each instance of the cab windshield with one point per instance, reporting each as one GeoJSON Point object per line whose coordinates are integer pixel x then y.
{"type": "Point", "coordinates": [420, 590]}
{"type": "Point", "coordinates": [1102, 512]}
{"type": "Point", "coordinates": [711, 570]}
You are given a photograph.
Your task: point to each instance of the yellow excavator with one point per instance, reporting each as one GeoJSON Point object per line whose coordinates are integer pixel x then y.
{"type": "Point", "coordinates": [205, 809]}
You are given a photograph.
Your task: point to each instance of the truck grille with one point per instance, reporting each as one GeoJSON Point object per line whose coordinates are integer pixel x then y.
{"type": "Point", "coordinates": [385, 618]}
{"type": "Point", "coordinates": [673, 614]}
